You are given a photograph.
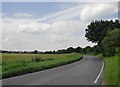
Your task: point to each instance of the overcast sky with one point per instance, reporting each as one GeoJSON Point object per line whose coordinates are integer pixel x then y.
{"type": "Point", "coordinates": [51, 25]}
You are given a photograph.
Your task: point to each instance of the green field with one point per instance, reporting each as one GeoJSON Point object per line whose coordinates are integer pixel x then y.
{"type": "Point", "coordinates": [18, 64]}
{"type": "Point", "coordinates": [111, 71]}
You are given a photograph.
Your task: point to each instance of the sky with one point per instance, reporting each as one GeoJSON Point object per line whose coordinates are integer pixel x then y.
{"type": "Point", "coordinates": [51, 25]}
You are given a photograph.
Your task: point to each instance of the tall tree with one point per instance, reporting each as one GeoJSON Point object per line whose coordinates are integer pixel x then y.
{"type": "Point", "coordinates": [97, 30]}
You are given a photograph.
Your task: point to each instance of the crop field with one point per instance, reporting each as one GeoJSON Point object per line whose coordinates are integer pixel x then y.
{"type": "Point", "coordinates": [19, 64]}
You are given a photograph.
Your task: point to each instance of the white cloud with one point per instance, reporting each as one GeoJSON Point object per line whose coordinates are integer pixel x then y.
{"type": "Point", "coordinates": [42, 19]}
{"type": "Point", "coordinates": [96, 11]}
{"type": "Point", "coordinates": [59, 31]}
{"type": "Point", "coordinates": [86, 11]}
{"type": "Point", "coordinates": [43, 36]}
{"type": "Point", "coordinates": [6, 39]}
{"type": "Point", "coordinates": [33, 27]}
{"type": "Point", "coordinates": [18, 15]}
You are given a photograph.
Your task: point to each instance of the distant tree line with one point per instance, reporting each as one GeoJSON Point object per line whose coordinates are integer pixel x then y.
{"type": "Point", "coordinates": [85, 50]}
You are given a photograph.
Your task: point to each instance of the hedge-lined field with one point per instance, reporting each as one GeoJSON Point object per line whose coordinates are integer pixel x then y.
{"type": "Point", "coordinates": [18, 64]}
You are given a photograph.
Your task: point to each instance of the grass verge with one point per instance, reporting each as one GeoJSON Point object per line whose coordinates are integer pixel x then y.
{"type": "Point", "coordinates": [111, 71]}
{"type": "Point", "coordinates": [17, 67]}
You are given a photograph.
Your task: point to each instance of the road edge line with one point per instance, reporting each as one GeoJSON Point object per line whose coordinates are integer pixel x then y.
{"type": "Point", "coordinates": [99, 73]}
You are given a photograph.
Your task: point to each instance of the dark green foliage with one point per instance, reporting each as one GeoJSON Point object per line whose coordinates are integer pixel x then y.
{"type": "Point", "coordinates": [78, 50]}
{"type": "Point", "coordinates": [117, 50]}
{"type": "Point", "coordinates": [70, 50]}
{"type": "Point", "coordinates": [97, 30]}
{"type": "Point", "coordinates": [88, 49]}
{"type": "Point", "coordinates": [111, 42]}
{"type": "Point", "coordinates": [63, 51]}
{"type": "Point", "coordinates": [96, 49]}
{"type": "Point", "coordinates": [35, 52]}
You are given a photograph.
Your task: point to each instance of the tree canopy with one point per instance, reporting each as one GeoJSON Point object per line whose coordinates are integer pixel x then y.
{"type": "Point", "coordinates": [105, 34]}
{"type": "Point", "coordinates": [97, 30]}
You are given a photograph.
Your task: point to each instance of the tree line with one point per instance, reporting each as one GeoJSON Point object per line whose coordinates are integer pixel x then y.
{"type": "Point", "coordinates": [85, 50]}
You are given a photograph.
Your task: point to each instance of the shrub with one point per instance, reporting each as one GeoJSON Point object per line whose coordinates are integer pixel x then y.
{"type": "Point", "coordinates": [37, 59]}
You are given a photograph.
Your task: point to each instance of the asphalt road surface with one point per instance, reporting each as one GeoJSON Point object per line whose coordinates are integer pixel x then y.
{"type": "Point", "coordinates": [87, 71]}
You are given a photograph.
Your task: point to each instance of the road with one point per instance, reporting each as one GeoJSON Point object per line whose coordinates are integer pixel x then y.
{"type": "Point", "coordinates": [87, 71]}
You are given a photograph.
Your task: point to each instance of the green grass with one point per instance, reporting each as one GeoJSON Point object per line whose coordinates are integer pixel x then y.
{"type": "Point", "coordinates": [0, 65]}
{"type": "Point", "coordinates": [0, 71]}
{"type": "Point", "coordinates": [18, 64]}
{"type": "Point", "coordinates": [100, 56]}
{"type": "Point", "coordinates": [111, 70]}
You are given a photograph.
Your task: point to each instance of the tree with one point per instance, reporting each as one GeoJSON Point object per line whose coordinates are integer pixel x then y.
{"type": "Point", "coordinates": [61, 51]}
{"type": "Point", "coordinates": [78, 50]}
{"type": "Point", "coordinates": [70, 50]}
{"type": "Point", "coordinates": [97, 30]}
{"type": "Point", "coordinates": [96, 49]}
{"type": "Point", "coordinates": [35, 52]}
{"type": "Point", "coordinates": [88, 49]}
{"type": "Point", "coordinates": [111, 42]}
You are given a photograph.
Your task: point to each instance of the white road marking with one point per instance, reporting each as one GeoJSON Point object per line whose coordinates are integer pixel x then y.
{"type": "Point", "coordinates": [99, 73]}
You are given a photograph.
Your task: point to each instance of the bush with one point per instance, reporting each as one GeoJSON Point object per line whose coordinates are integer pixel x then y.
{"type": "Point", "coordinates": [37, 59]}
{"type": "Point", "coordinates": [111, 42]}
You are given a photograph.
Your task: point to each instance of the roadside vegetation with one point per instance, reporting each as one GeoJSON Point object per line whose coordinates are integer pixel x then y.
{"type": "Point", "coordinates": [111, 71]}
{"type": "Point", "coordinates": [106, 35]}
{"type": "Point", "coordinates": [18, 64]}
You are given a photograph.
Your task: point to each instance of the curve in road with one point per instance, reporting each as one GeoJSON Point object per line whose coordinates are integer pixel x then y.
{"type": "Point", "coordinates": [84, 72]}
